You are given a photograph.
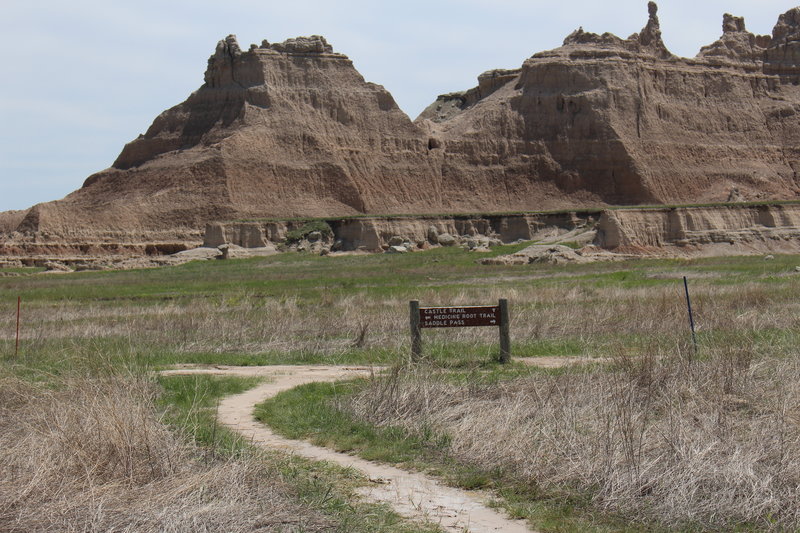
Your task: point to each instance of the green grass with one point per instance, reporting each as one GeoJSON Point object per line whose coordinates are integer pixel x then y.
{"type": "Point", "coordinates": [304, 412]}
{"type": "Point", "coordinates": [315, 284]}
{"type": "Point", "coordinates": [298, 274]}
{"type": "Point", "coordinates": [190, 403]}
{"type": "Point", "coordinates": [309, 412]}
{"type": "Point", "coordinates": [309, 276]}
{"type": "Point", "coordinates": [21, 270]}
{"type": "Point", "coordinates": [79, 323]}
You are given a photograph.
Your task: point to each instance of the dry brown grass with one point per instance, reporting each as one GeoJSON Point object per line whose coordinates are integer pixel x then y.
{"type": "Point", "coordinates": [250, 325]}
{"type": "Point", "coordinates": [709, 443]}
{"type": "Point", "coordinates": [712, 442]}
{"type": "Point", "coordinates": [92, 455]}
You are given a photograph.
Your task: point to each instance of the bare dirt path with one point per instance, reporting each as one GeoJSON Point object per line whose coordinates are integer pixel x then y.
{"type": "Point", "coordinates": [412, 495]}
{"type": "Point", "coordinates": [557, 361]}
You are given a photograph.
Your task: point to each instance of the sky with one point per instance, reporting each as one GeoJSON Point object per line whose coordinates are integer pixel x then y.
{"type": "Point", "coordinates": [82, 78]}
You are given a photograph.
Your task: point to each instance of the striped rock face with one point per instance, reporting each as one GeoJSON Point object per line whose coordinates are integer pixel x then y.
{"type": "Point", "coordinates": [293, 130]}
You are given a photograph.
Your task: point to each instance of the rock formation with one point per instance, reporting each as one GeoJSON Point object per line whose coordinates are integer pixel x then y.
{"type": "Point", "coordinates": [623, 121]}
{"type": "Point", "coordinates": [287, 129]}
{"type": "Point", "coordinates": [736, 43]}
{"type": "Point", "coordinates": [718, 230]}
{"type": "Point", "coordinates": [292, 129]}
{"type": "Point", "coordinates": [373, 234]}
{"type": "Point", "coordinates": [672, 231]}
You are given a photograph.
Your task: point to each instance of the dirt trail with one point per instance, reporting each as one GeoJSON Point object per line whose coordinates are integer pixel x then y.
{"type": "Point", "coordinates": [412, 495]}
{"type": "Point", "coordinates": [557, 361]}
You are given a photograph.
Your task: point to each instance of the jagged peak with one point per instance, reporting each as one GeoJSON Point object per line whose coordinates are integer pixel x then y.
{"type": "Point", "coordinates": [651, 33]}
{"type": "Point", "coordinates": [218, 72]}
{"type": "Point", "coordinates": [228, 55]}
{"type": "Point", "coordinates": [315, 44]}
{"type": "Point", "coordinates": [229, 47]}
{"type": "Point", "coordinates": [780, 57]}
{"type": "Point", "coordinates": [580, 36]}
{"type": "Point", "coordinates": [787, 28]}
{"type": "Point", "coordinates": [736, 43]}
{"type": "Point", "coordinates": [647, 41]}
{"type": "Point", "coordinates": [731, 24]}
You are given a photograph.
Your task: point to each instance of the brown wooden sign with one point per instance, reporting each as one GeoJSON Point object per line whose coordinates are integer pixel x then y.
{"type": "Point", "coordinates": [459, 317]}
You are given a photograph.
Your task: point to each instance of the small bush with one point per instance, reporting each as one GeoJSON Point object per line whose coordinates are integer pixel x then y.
{"type": "Point", "coordinates": [297, 235]}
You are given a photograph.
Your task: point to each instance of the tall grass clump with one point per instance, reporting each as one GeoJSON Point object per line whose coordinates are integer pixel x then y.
{"type": "Point", "coordinates": [662, 440]}
{"type": "Point", "coordinates": [93, 455]}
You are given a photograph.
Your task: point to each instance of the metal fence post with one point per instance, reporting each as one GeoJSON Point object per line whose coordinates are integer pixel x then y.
{"type": "Point", "coordinates": [16, 345]}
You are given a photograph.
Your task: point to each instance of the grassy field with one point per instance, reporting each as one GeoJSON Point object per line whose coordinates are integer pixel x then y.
{"type": "Point", "coordinates": [80, 329]}
{"type": "Point", "coordinates": [308, 309]}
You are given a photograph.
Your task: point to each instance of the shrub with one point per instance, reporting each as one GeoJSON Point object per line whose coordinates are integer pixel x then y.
{"type": "Point", "coordinates": [297, 235]}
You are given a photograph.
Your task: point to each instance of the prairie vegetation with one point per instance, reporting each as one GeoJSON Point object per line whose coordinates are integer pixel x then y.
{"type": "Point", "coordinates": [94, 455]}
{"type": "Point", "coordinates": [295, 308]}
{"type": "Point", "coordinates": [659, 437]}
{"type": "Point", "coordinates": [661, 440]}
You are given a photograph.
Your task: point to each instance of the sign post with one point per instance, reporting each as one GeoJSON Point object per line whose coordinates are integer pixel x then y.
{"type": "Point", "coordinates": [460, 317]}
{"type": "Point", "coordinates": [416, 334]}
{"type": "Point", "coordinates": [691, 316]}
{"type": "Point", "coordinates": [505, 332]}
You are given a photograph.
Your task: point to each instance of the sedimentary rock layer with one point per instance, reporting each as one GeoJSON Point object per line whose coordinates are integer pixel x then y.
{"type": "Point", "coordinates": [292, 129]}
{"type": "Point", "coordinates": [623, 121]}
{"type": "Point", "coordinates": [289, 129]}
{"type": "Point", "coordinates": [710, 230]}
{"type": "Point", "coordinates": [373, 234]}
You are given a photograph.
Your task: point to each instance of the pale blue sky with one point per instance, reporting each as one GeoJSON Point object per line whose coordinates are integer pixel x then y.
{"type": "Point", "coordinates": [82, 78]}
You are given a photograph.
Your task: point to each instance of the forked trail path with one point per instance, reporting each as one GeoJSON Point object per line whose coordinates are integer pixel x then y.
{"type": "Point", "coordinates": [411, 494]}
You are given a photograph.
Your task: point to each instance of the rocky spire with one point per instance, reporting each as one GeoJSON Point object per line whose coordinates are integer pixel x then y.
{"type": "Point", "coordinates": [736, 43]}
{"type": "Point", "coordinates": [220, 65]}
{"type": "Point", "coordinates": [650, 36]}
{"type": "Point", "coordinates": [787, 29]}
{"type": "Point", "coordinates": [648, 41]}
{"type": "Point", "coordinates": [731, 24]}
{"type": "Point", "coordinates": [782, 57]}
{"type": "Point", "coordinates": [652, 31]}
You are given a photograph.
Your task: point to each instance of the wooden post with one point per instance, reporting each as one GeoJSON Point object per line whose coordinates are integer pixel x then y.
{"type": "Point", "coordinates": [416, 334]}
{"type": "Point", "coordinates": [691, 316]}
{"type": "Point", "coordinates": [16, 346]}
{"type": "Point", "coordinates": [505, 332]}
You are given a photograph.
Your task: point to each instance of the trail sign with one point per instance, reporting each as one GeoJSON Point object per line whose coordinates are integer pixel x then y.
{"type": "Point", "coordinates": [459, 317]}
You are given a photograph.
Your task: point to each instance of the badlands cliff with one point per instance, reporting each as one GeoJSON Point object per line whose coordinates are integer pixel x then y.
{"type": "Point", "coordinates": [625, 122]}
{"type": "Point", "coordinates": [293, 130]}
{"type": "Point", "coordinates": [740, 229]}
